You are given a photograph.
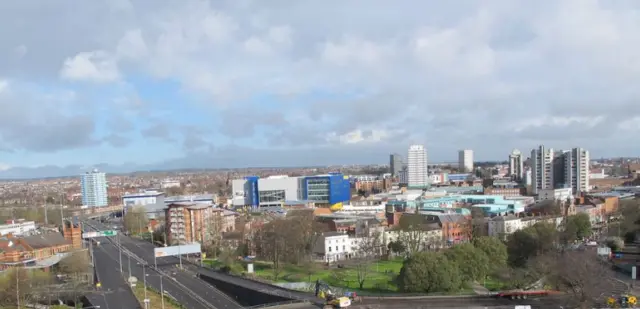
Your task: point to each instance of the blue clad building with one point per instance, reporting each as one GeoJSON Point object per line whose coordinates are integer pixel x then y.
{"type": "Point", "coordinates": [332, 188]}
{"type": "Point", "coordinates": [251, 189]}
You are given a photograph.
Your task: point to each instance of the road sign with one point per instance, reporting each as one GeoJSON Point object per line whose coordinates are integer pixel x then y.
{"type": "Point", "coordinates": [177, 250]}
{"type": "Point", "coordinates": [90, 235]}
{"type": "Point", "coordinates": [108, 233]}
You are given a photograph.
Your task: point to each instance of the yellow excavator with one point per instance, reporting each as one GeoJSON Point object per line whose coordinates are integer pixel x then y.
{"type": "Point", "coordinates": [624, 301]}
{"type": "Point", "coordinates": [330, 300]}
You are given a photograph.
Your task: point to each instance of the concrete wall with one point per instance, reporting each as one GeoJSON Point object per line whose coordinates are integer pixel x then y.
{"type": "Point", "coordinates": [245, 297]}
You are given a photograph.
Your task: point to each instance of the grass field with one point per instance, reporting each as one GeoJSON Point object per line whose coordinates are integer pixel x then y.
{"type": "Point", "coordinates": [379, 279]}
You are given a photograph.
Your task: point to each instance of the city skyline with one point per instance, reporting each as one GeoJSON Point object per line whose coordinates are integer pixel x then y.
{"type": "Point", "coordinates": [219, 84]}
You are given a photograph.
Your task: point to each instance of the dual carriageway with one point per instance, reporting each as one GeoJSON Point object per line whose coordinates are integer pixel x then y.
{"type": "Point", "coordinates": [192, 285]}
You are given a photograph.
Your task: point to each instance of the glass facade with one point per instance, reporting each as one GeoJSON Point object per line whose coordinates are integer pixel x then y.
{"type": "Point", "coordinates": [272, 196]}
{"type": "Point", "coordinates": [318, 189]}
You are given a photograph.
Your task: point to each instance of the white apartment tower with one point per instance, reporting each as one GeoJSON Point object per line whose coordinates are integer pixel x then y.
{"type": "Point", "coordinates": [465, 160]}
{"type": "Point", "coordinates": [560, 169]}
{"type": "Point", "coordinates": [576, 170]}
{"type": "Point", "coordinates": [541, 169]}
{"type": "Point", "coordinates": [417, 176]}
{"type": "Point", "coordinates": [94, 189]}
{"type": "Point", "coordinates": [516, 165]}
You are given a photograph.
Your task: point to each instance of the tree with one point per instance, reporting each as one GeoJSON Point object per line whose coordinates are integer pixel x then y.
{"type": "Point", "coordinates": [576, 227]}
{"type": "Point", "coordinates": [412, 233]}
{"type": "Point", "coordinates": [429, 272]}
{"type": "Point", "coordinates": [521, 245]}
{"type": "Point", "coordinates": [397, 247]}
{"type": "Point", "coordinates": [585, 279]}
{"type": "Point", "coordinates": [615, 243]}
{"type": "Point", "coordinates": [272, 244]}
{"type": "Point", "coordinates": [473, 263]}
{"type": "Point", "coordinates": [135, 220]}
{"type": "Point", "coordinates": [495, 250]}
{"type": "Point", "coordinates": [369, 250]}
{"type": "Point", "coordinates": [76, 264]}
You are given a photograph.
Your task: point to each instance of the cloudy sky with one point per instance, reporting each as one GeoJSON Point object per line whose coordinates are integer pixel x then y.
{"type": "Point", "coordinates": [286, 82]}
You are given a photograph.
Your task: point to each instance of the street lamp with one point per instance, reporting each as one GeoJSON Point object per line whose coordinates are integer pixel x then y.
{"type": "Point", "coordinates": [161, 289]}
{"type": "Point", "coordinates": [146, 299]}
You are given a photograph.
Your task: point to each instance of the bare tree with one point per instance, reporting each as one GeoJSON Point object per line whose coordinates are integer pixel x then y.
{"type": "Point", "coordinates": [76, 265]}
{"type": "Point", "coordinates": [369, 250]}
{"type": "Point", "coordinates": [135, 220]}
{"type": "Point", "coordinates": [272, 244]}
{"type": "Point", "coordinates": [412, 232]}
{"type": "Point", "coordinates": [585, 278]}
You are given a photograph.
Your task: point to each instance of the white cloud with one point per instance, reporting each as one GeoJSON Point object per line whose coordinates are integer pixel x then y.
{"type": "Point", "coordinates": [453, 74]}
{"type": "Point", "coordinates": [4, 86]}
{"type": "Point", "coordinates": [96, 66]}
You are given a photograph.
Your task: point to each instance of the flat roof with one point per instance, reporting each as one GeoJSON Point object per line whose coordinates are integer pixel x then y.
{"type": "Point", "coordinates": [143, 194]}
{"type": "Point", "coordinates": [187, 198]}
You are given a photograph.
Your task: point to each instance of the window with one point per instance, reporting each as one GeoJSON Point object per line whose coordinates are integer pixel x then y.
{"type": "Point", "coordinates": [329, 249]}
{"type": "Point", "coordinates": [337, 248]}
{"type": "Point", "coordinates": [344, 248]}
{"type": "Point", "coordinates": [271, 196]}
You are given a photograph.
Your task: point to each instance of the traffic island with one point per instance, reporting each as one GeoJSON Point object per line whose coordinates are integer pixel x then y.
{"type": "Point", "coordinates": [154, 299]}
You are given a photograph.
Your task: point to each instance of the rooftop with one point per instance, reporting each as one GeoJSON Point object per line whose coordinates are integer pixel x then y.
{"type": "Point", "coordinates": [45, 240]}
{"type": "Point", "coordinates": [143, 194]}
{"type": "Point", "coordinates": [188, 198]}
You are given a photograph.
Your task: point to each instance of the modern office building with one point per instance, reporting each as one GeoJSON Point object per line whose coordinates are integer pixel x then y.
{"type": "Point", "coordinates": [560, 169]}
{"type": "Point", "coordinates": [94, 189]}
{"type": "Point", "coordinates": [465, 160]}
{"type": "Point", "coordinates": [417, 176]}
{"type": "Point", "coordinates": [332, 189]}
{"type": "Point", "coordinates": [395, 164]}
{"type": "Point", "coordinates": [516, 165]}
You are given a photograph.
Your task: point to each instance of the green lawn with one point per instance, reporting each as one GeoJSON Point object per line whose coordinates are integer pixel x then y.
{"type": "Point", "coordinates": [379, 279]}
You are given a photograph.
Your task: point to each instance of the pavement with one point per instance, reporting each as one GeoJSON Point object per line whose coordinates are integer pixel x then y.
{"type": "Point", "coordinates": [185, 287]}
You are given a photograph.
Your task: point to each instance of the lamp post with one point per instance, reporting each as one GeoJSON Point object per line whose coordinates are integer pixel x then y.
{"type": "Point", "coordinates": [146, 299]}
{"type": "Point", "coordinates": [119, 251]}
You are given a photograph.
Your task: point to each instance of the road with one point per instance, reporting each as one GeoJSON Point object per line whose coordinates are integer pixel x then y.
{"type": "Point", "coordinates": [114, 293]}
{"type": "Point", "coordinates": [183, 286]}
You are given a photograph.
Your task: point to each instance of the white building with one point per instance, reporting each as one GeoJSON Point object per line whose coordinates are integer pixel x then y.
{"type": "Point", "coordinates": [169, 183]}
{"type": "Point", "coordinates": [555, 194]}
{"type": "Point", "coordinates": [94, 189]}
{"type": "Point", "coordinates": [17, 227]}
{"type": "Point", "coordinates": [465, 160]}
{"type": "Point", "coordinates": [417, 167]}
{"type": "Point", "coordinates": [541, 169]}
{"type": "Point", "coordinates": [271, 191]}
{"type": "Point", "coordinates": [516, 165]}
{"type": "Point", "coordinates": [142, 198]}
{"type": "Point", "coordinates": [560, 169]}
{"type": "Point", "coordinates": [576, 170]}
{"type": "Point", "coordinates": [504, 225]}
{"type": "Point", "coordinates": [274, 190]}
{"type": "Point", "coordinates": [206, 199]}
{"type": "Point", "coordinates": [334, 246]}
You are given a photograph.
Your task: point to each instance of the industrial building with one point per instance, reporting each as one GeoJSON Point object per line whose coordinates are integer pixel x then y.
{"type": "Point", "coordinates": [332, 189]}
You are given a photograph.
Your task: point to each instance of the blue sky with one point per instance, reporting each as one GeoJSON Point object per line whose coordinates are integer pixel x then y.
{"type": "Point", "coordinates": [241, 83]}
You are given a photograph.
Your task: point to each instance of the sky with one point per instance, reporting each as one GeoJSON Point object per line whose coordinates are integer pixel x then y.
{"type": "Point", "coordinates": [236, 83]}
